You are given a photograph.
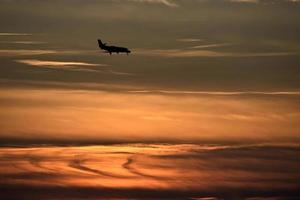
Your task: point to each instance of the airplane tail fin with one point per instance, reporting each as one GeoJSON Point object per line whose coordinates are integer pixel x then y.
{"type": "Point", "coordinates": [100, 43]}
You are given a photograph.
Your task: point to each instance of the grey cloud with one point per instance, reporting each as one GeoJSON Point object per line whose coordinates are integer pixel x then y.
{"type": "Point", "coordinates": [25, 52]}
{"type": "Point", "coordinates": [204, 46]}
{"type": "Point", "coordinates": [188, 53]}
{"type": "Point", "coordinates": [22, 42]}
{"type": "Point", "coordinates": [16, 34]}
{"type": "Point", "coordinates": [169, 3]}
{"type": "Point", "coordinates": [189, 40]}
{"type": "Point", "coordinates": [31, 52]}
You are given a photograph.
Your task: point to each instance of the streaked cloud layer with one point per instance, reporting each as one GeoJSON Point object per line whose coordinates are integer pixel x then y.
{"type": "Point", "coordinates": [151, 171]}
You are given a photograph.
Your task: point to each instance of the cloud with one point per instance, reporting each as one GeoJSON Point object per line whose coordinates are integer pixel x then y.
{"type": "Point", "coordinates": [25, 52]}
{"type": "Point", "coordinates": [164, 2]}
{"type": "Point", "coordinates": [260, 172]}
{"type": "Point", "coordinates": [173, 3]}
{"type": "Point", "coordinates": [128, 165]}
{"type": "Point", "coordinates": [223, 118]}
{"type": "Point", "coordinates": [16, 34]}
{"type": "Point", "coordinates": [92, 86]}
{"type": "Point", "coordinates": [189, 40]}
{"type": "Point", "coordinates": [225, 93]}
{"type": "Point", "coordinates": [75, 66]}
{"type": "Point", "coordinates": [42, 63]}
{"type": "Point", "coordinates": [134, 89]}
{"type": "Point", "coordinates": [264, 1]}
{"type": "Point", "coordinates": [30, 52]}
{"type": "Point", "coordinates": [78, 164]}
{"type": "Point", "coordinates": [245, 1]}
{"type": "Point", "coordinates": [265, 198]}
{"type": "Point", "coordinates": [22, 42]}
{"type": "Point", "coordinates": [190, 53]}
{"type": "Point", "coordinates": [210, 46]}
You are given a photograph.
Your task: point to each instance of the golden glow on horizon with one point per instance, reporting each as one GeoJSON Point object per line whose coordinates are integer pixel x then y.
{"type": "Point", "coordinates": [87, 115]}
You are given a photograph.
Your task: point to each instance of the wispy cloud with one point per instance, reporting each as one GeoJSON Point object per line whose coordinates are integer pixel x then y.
{"type": "Point", "coordinates": [75, 66]}
{"type": "Point", "coordinates": [186, 53]}
{"type": "Point", "coordinates": [210, 46]}
{"type": "Point", "coordinates": [164, 2]}
{"type": "Point", "coordinates": [262, 1]}
{"type": "Point", "coordinates": [189, 40]}
{"type": "Point", "coordinates": [205, 198]}
{"type": "Point", "coordinates": [217, 92]}
{"type": "Point", "coordinates": [43, 63]}
{"type": "Point", "coordinates": [71, 65]}
{"type": "Point", "coordinates": [22, 42]}
{"type": "Point", "coordinates": [245, 1]}
{"type": "Point", "coordinates": [25, 52]}
{"type": "Point", "coordinates": [15, 34]}
{"type": "Point", "coordinates": [91, 86]}
{"type": "Point", "coordinates": [30, 52]}
{"type": "Point", "coordinates": [57, 85]}
{"type": "Point", "coordinates": [174, 3]}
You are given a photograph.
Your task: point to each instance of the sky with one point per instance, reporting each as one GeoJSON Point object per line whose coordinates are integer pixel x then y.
{"type": "Point", "coordinates": [206, 106]}
{"type": "Point", "coordinates": [199, 70]}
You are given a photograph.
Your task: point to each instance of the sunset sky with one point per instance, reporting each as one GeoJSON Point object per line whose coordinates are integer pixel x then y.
{"type": "Point", "coordinates": [222, 74]}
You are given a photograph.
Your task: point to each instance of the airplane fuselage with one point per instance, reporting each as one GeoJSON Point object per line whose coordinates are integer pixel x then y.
{"type": "Point", "coordinates": [113, 49]}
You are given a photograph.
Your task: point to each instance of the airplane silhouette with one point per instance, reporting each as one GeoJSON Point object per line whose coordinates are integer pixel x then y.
{"type": "Point", "coordinates": [112, 49]}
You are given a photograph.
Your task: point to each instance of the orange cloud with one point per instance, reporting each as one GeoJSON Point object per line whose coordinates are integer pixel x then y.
{"type": "Point", "coordinates": [97, 116]}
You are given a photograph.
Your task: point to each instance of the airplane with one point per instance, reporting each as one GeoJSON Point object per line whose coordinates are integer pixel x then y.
{"type": "Point", "coordinates": [111, 49]}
